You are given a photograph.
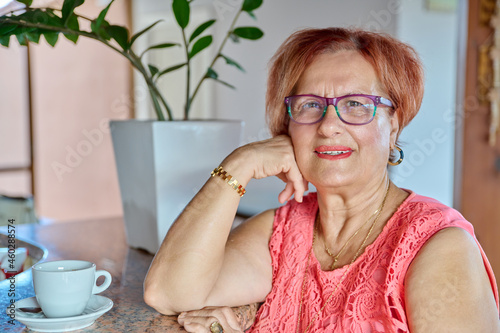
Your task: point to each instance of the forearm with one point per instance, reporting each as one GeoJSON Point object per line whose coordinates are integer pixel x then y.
{"type": "Point", "coordinates": [188, 263]}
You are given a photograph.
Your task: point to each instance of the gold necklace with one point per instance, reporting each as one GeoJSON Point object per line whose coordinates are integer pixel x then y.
{"type": "Point", "coordinates": [336, 257]}
{"type": "Point", "coordinates": [343, 275]}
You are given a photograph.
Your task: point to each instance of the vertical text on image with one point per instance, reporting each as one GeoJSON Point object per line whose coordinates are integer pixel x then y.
{"type": "Point", "coordinates": [11, 255]}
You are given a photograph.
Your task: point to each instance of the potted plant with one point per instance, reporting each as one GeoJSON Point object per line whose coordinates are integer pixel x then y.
{"type": "Point", "coordinates": [161, 162]}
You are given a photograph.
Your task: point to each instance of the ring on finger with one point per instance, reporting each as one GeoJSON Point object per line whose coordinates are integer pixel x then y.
{"type": "Point", "coordinates": [216, 327]}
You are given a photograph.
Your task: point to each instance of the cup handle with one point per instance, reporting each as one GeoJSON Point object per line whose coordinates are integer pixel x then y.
{"type": "Point", "coordinates": [107, 281]}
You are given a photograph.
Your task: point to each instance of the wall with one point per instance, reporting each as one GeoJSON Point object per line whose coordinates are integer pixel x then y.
{"type": "Point", "coordinates": [14, 129]}
{"type": "Point", "coordinates": [76, 89]}
{"type": "Point", "coordinates": [429, 140]}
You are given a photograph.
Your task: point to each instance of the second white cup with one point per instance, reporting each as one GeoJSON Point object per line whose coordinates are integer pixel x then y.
{"type": "Point", "coordinates": [63, 288]}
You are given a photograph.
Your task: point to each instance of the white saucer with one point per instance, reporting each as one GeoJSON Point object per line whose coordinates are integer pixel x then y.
{"type": "Point", "coordinates": [97, 306]}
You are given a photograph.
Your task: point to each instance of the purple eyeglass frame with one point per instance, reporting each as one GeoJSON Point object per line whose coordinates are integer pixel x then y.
{"type": "Point", "coordinates": [334, 101]}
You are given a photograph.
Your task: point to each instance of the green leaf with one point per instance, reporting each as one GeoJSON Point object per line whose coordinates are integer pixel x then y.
{"type": "Point", "coordinates": [34, 16]}
{"type": "Point", "coordinates": [171, 69]}
{"type": "Point", "coordinates": [26, 2]}
{"type": "Point", "coordinates": [200, 45]}
{"type": "Point", "coordinates": [252, 15]}
{"type": "Point", "coordinates": [153, 69]}
{"type": "Point", "coordinates": [101, 30]}
{"type": "Point", "coordinates": [99, 25]}
{"type": "Point", "coordinates": [72, 24]}
{"type": "Point", "coordinates": [158, 46]}
{"type": "Point", "coordinates": [102, 15]}
{"type": "Point", "coordinates": [161, 46]}
{"type": "Point", "coordinates": [38, 16]}
{"type": "Point", "coordinates": [225, 83]}
{"type": "Point", "coordinates": [252, 33]}
{"type": "Point", "coordinates": [211, 74]}
{"type": "Point", "coordinates": [6, 29]}
{"type": "Point", "coordinates": [71, 37]}
{"type": "Point", "coordinates": [68, 8]}
{"type": "Point", "coordinates": [51, 37]}
{"type": "Point", "coordinates": [181, 12]}
{"type": "Point", "coordinates": [21, 30]}
{"type": "Point", "coordinates": [249, 5]}
{"type": "Point", "coordinates": [134, 37]}
{"type": "Point", "coordinates": [120, 34]}
{"type": "Point", "coordinates": [53, 20]}
{"type": "Point", "coordinates": [202, 27]}
{"type": "Point", "coordinates": [231, 62]}
{"type": "Point", "coordinates": [4, 40]}
{"type": "Point", "coordinates": [21, 38]}
{"type": "Point", "coordinates": [33, 36]}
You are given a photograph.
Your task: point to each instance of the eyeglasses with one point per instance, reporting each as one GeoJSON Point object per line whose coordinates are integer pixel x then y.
{"type": "Point", "coordinates": [355, 109]}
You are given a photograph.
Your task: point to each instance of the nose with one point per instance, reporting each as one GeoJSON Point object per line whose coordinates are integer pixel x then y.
{"type": "Point", "coordinates": [331, 123]}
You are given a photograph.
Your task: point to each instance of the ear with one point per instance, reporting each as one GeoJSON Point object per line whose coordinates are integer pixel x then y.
{"type": "Point", "coordinates": [394, 134]}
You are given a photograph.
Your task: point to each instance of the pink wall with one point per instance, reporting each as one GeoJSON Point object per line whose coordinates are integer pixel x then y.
{"type": "Point", "coordinates": [14, 130]}
{"type": "Point", "coordinates": [76, 90]}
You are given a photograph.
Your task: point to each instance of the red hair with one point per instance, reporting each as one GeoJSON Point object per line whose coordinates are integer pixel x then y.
{"type": "Point", "coordinates": [396, 64]}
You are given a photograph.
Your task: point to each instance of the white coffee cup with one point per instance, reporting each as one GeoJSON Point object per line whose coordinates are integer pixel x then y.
{"type": "Point", "coordinates": [64, 287]}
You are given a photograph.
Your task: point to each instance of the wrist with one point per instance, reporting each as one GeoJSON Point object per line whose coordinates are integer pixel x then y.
{"type": "Point", "coordinates": [237, 165]}
{"type": "Point", "coordinates": [231, 181]}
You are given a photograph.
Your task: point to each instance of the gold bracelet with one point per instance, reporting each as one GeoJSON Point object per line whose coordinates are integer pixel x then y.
{"type": "Point", "coordinates": [230, 180]}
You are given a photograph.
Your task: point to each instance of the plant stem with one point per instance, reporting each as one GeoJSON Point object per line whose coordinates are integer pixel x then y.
{"type": "Point", "coordinates": [154, 92]}
{"type": "Point", "coordinates": [218, 54]}
{"type": "Point", "coordinates": [188, 78]}
{"type": "Point", "coordinates": [164, 102]}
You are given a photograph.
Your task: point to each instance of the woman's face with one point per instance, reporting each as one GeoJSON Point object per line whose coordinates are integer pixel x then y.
{"type": "Point", "coordinates": [365, 147]}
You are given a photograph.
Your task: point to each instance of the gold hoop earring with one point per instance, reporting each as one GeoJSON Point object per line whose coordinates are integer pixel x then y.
{"type": "Point", "coordinates": [401, 157]}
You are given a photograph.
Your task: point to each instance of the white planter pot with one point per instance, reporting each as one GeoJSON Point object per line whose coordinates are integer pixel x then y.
{"type": "Point", "coordinates": [161, 166]}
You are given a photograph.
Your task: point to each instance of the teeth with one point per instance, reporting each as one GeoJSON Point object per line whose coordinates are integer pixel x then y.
{"type": "Point", "coordinates": [337, 152]}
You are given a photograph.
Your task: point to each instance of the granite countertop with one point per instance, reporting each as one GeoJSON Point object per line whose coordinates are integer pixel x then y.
{"type": "Point", "coordinates": [102, 242]}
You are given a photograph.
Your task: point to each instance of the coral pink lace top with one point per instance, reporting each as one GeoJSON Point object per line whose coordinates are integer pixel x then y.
{"type": "Point", "coordinates": [371, 296]}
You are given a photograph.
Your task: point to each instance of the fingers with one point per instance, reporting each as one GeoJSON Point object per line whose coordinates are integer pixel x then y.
{"type": "Point", "coordinates": [295, 185]}
{"type": "Point", "coordinates": [296, 189]}
{"type": "Point", "coordinates": [200, 320]}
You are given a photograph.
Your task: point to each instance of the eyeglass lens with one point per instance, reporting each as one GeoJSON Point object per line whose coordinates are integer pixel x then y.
{"type": "Point", "coordinates": [350, 109]}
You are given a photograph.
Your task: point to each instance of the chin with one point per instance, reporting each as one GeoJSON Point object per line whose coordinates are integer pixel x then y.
{"type": "Point", "coordinates": [331, 182]}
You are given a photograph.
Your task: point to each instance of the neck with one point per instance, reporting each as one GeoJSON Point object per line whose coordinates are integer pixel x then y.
{"type": "Point", "coordinates": [346, 210]}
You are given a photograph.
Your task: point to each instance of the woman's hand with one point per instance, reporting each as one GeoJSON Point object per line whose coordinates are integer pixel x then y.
{"type": "Point", "coordinates": [272, 157]}
{"type": "Point", "coordinates": [199, 321]}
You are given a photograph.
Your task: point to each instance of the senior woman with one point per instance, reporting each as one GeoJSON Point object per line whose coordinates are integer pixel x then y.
{"type": "Point", "coordinates": [360, 254]}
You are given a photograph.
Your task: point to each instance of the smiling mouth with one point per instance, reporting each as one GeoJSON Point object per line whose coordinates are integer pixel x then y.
{"type": "Point", "coordinates": [334, 153]}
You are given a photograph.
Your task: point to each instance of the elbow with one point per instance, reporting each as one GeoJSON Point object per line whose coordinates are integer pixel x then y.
{"type": "Point", "coordinates": [155, 295]}
{"type": "Point", "coordinates": [158, 301]}
{"type": "Point", "coordinates": [171, 295]}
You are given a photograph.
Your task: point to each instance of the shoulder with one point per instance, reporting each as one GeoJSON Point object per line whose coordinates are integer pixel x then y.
{"type": "Point", "coordinates": [421, 205]}
{"type": "Point", "coordinates": [455, 245]}
{"type": "Point", "coordinates": [420, 217]}
{"type": "Point", "coordinates": [447, 286]}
